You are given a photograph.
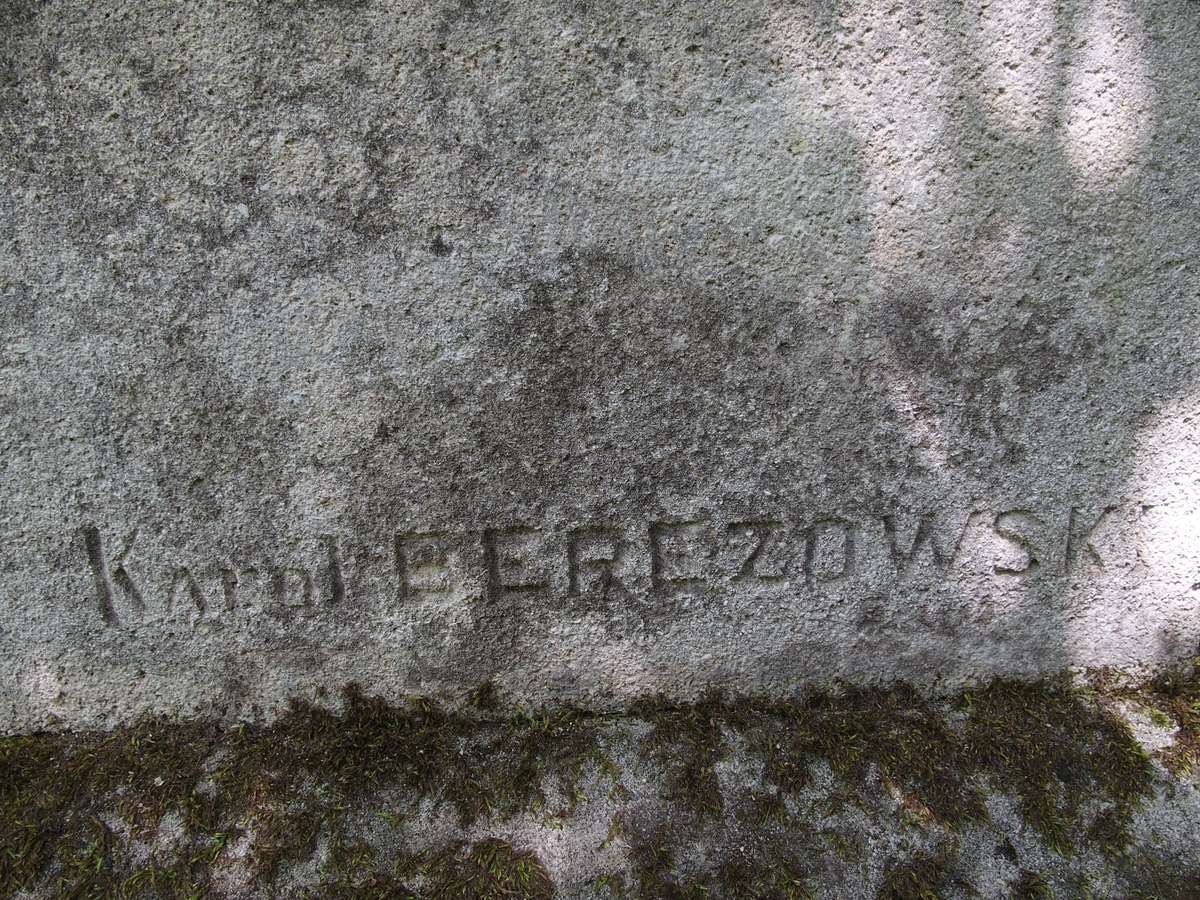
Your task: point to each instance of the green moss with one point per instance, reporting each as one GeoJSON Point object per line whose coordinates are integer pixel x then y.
{"type": "Point", "coordinates": [487, 870]}
{"type": "Point", "coordinates": [415, 746]}
{"type": "Point", "coordinates": [1032, 886]}
{"type": "Point", "coordinates": [1172, 700]}
{"type": "Point", "coordinates": [490, 869]}
{"type": "Point", "coordinates": [558, 745]}
{"type": "Point", "coordinates": [1055, 751]}
{"type": "Point", "coordinates": [1052, 748]}
{"type": "Point", "coordinates": [613, 884]}
{"type": "Point", "coordinates": [913, 879]}
{"type": "Point", "coordinates": [762, 880]}
{"type": "Point", "coordinates": [485, 697]}
{"type": "Point", "coordinates": [1178, 694]}
{"type": "Point", "coordinates": [652, 858]}
{"type": "Point", "coordinates": [69, 804]}
{"type": "Point", "coordinates": [52, 789]}
{"type": "Point", "coordinates": [894, 733]}
{"type": "Point", "coordinates": [769, 808]}
{"type": "Point", "coordinates": [689, 741]}
{"type": "Point", "coordinates": [1159, 718]}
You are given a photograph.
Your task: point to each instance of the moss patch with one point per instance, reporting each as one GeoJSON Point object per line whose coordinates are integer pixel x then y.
{"type": "Point", "coordinates": [1032, 886]}
{"type": "Point", "coordinates": [53, 789]}
{"type": "Point", "coordinates": [1178, 695]}
{"type": "Point", "coordinates": [489, 870]}
{"type": "Point", "coordinates": [84, 814]}
{"type": "Point", "coordinates": [1055, 751]}
{"type": "Point", "coordinates": [915, 879]}
{"type": "Point", "coordinates": [689, 741]}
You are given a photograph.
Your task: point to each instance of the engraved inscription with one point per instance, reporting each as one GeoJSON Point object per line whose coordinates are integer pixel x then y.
{"type": "Point", "coordinates": [818, 556]}
{"type": "Point", "coordinates": [1018, 527]}
{"type": "Point", "coordinates": [185, 587]}
{"type": "Point", "coordinates": [337, 582]}
{"type": "Point", "coordinates": [674, 548]}
{"type": "Point", "coordinates": [1080, 550]}
{"type": "Point", "coordinates": [511, 561]}
{"type": "Point", "coordinates": [829, 550]}
{"type": "Point", "coordinates": [293, 587]}
{"type": "Point", "coordinates": [422, 561]}
{"type": "Point", "coordinates": [923, 538]}
{"type": "Point", "coordinates": [760, 535]}
{"type": "Point", "coordinates": [106, 574]}
{"type": "Point", "coordinates": [229, 586]}
{"type": "Point", "coordinates": [593, 555]}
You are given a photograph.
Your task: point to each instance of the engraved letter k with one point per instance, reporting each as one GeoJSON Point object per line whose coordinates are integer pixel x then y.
{"type": "Point", "coordinates": [106, 575]}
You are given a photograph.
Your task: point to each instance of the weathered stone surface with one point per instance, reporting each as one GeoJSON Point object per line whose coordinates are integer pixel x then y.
{"type": "Point", "coordinates": [595, 349]}
{"type": "Point", "coordinates": [1013, 791]}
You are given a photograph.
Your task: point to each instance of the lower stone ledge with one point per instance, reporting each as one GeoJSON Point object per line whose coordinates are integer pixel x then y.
{"type": "Point", "coordinates": [1048, 789]}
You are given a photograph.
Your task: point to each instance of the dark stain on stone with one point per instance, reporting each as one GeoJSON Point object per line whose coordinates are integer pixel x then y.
{"type": "Point", "coordinates": [20, 12]}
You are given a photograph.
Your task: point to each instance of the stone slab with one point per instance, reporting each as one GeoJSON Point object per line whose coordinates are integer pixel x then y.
{"type": "Point", "coordinates": [597, 350]}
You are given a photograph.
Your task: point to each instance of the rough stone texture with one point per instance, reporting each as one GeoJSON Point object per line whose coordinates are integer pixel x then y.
{"type": "Point", "coordinates": [895, 303]}
{"type": "Point", "coordinates": [1014, 792]}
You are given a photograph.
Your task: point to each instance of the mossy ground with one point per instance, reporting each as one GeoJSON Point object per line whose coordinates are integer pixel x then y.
{"type": "Point", "coordinates": [723, 804]}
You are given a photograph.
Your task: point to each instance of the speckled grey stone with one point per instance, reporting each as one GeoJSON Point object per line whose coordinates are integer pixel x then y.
{"type": "Point", "coordinates": [597, 349]}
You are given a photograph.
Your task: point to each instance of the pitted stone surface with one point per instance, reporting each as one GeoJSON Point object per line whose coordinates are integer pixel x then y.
{"type": "Point", "coordinates": [599, 350]}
